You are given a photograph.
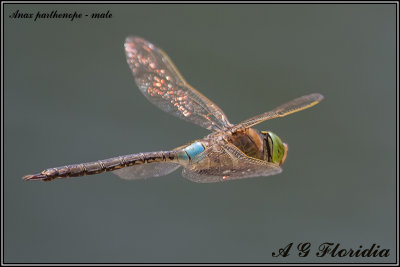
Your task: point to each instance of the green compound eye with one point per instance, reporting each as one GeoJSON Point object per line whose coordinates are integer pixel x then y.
{"type": "Point", "coordinates": [278, 149]}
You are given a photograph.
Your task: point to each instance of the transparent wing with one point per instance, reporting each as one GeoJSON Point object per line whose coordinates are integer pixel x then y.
{"type": "Point", "coordinates": [160, 81]}
{"type": "Point", "coordinates": [293, 106]}
{"type": "Point", "coordinates": [226, 162]}
{"type": "Point", "coordinates": [143, 171]}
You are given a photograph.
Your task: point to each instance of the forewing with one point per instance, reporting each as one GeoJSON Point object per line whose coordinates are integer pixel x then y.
{"type": "Point", "coordinates": [160, 81]}
{"type": "Point", "coordinates": [293, 106]}
{"type": "Point", "coordinates": [143, 171]}
{"type": "Point", "coordinates": [226, 162]}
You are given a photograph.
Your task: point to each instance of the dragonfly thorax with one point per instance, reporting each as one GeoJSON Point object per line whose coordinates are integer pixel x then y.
{"type": "Point", "coordinates": [250, 141]}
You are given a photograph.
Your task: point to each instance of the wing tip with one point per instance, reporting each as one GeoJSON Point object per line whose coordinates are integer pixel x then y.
{"type": "Point", "coordinates": [317, 97]}
{"type": "Point", "coordinates": [134, 40]}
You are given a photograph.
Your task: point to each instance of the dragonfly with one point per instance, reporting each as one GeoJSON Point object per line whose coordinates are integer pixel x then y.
{"type": "Point", "coordinates": [229, 152]}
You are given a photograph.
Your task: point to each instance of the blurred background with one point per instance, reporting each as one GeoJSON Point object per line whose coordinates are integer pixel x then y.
{"type": "Point", "coordinates": [70, 98]}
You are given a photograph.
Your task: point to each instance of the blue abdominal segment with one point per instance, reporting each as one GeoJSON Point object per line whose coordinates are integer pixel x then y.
{"type": "Point", "coordinates": [193, 150]}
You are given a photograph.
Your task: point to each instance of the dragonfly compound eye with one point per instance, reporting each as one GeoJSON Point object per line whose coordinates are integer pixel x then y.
{"type": "Point", "coordinates": [279, 150]}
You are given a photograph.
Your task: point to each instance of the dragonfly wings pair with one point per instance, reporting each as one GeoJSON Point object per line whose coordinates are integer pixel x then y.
{"type": "Point", "coordinates": [162, 84]}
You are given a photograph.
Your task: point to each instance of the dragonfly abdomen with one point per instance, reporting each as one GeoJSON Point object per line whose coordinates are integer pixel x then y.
{"type": "Point", "coordinates": [105, 165]}
{"type": "Point", "coordinates": [192, 150]}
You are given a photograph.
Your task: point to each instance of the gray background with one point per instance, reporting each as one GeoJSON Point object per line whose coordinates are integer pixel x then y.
{"type": "Point", "coordinates": [70, 97]}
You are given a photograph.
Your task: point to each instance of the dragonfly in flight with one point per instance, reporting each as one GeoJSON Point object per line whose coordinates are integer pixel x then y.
{"type": "Point", "coordinates": [229, 152]}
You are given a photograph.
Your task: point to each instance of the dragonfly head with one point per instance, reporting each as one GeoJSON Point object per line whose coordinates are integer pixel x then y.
{"type": "Point", "coordinates": [276, 148]}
